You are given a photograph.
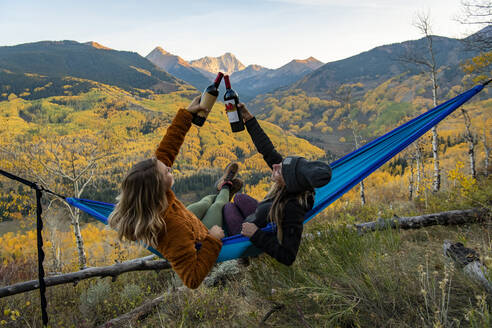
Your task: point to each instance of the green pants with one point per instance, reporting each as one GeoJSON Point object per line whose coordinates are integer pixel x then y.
{"type": "Point", "coordinates": [209, 209]}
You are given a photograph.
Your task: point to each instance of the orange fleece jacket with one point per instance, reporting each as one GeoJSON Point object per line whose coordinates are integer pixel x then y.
{"type": "Point", "coordinates": [183, 229]}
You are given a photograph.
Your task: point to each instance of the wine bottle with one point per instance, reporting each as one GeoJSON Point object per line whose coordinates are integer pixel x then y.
{"type": "Point", "coordinates": [231, 100]}
{"type": "Point", "coordinates": [207, 100]}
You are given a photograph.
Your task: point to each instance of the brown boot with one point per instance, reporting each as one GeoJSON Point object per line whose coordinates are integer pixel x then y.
{"type": "Point", "coordinates": [230, 173]}
{"type": "Point", "coordinates": [237, 184]}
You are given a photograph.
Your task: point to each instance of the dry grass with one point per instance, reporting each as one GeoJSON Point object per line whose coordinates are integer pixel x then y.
{"type": "Point", "coordinates": [340, 279]}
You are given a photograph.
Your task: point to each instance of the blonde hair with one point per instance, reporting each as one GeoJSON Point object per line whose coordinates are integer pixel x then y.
{"type": "Point", "coordinates": [279, 196]}
{"type": "Point", "coordinates": [138, 215]}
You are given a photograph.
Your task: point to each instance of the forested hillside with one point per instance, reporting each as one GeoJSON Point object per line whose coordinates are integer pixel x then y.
{"type": "Point", "coordinates": [330, 118]}
{"type": "Point", "coordinates": [58, 59]}
{"type": "Point", "coordinates": [117, 129]}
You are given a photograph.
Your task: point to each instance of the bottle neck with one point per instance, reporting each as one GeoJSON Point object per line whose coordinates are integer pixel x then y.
{"type": "Point", "coordinates": [227, 82]}
{"type": "Point", "coordinates": [218, 79]}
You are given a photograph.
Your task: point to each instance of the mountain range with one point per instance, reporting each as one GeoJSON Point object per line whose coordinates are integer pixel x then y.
{"type": "Point", "coordinates": [302, 96]}
{"type": "Point", "coordinates": [371, 68]}
{"type": "Point", "coordinates": [250, 80]}
{"type": "Point", "coordinates": [90, 61]}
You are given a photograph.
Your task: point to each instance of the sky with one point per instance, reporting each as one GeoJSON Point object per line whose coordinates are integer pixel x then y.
{"type": "Point", "coordinates": [267, 32]}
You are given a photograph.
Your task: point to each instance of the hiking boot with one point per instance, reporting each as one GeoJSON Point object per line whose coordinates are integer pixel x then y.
{"type": "Point", "coordinates": [237, 184]}
{"type": "Point", "coordinates": [230, 173]}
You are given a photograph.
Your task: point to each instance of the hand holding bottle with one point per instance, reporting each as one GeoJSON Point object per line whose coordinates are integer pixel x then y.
{"type": "Point", "coordinates": [244, 112]}
{"type": "Point", "coordinates": [207, 101]}
{"type": "Point", "coordinates": [195, 107]}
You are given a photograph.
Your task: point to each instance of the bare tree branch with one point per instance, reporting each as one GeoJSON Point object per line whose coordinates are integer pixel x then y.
{"type": "Point", "coordinates": [141, 264]}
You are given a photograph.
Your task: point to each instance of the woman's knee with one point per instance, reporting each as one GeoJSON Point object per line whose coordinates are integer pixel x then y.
{"type": "Point", "coordinates": [233, 219]}
{"type": "Point", "coordinates": [246, 204]}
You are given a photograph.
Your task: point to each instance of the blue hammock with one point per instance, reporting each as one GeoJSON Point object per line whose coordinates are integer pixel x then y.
{"type": "Point", "coordinates": [346, 173]}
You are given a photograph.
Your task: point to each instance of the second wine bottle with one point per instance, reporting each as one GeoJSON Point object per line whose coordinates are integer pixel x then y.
{"type": "Point", "coordinates": [207, 100]}
{"type": "Point", "coordinates": [231, 100]}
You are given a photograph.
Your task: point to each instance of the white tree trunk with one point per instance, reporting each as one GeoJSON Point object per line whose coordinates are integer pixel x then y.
{"type": "Point", "coordinates": [418, 158]}
{"type": "Point", "coordinates": [76, 229]}
{"type": "Point", "coordinates": [471, 143]}
{"type": "Point", "coordinates": [410, 182]}
{"type": "Point", "coordinates": [436, 185]}
{"type": "Point", "coordinates": [487, 151]}
{"type": "Point", "coordinates": [79, 240]}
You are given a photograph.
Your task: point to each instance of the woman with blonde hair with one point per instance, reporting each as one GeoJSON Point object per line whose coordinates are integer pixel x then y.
{"type": "Point", "coordinates": [148, 211]}
{"type": "Point", "coordinates": [290, 197]}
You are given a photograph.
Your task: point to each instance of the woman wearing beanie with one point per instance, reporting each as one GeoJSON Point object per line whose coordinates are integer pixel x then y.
{"type": "Point", "coordinates": [290, 197]}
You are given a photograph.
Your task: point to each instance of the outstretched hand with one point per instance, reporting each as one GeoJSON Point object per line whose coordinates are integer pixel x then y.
{"type": "Point", "coordinates": [194, 107]}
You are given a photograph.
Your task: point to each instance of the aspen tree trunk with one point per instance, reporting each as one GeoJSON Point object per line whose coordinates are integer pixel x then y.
{"type": "Point", "coordinates": [410, 182]}
{"type": "Point", "coordinates": [471, 143]}
{"type": "Point", "coordinates": [362, 189]}
{"type": "Point", "coordinates": [76, 230]}
{"type": "Point", "coordinates": [418, 158]}
{"type": "Point", "coordinates": [436, 185]}
{"type": "Point", "coordinates": [487, 151]}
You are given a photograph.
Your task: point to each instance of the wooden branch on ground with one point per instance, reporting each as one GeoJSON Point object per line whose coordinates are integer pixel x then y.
{"type": "Point", "coordinates": [276, 308]}
{"type": "Point", "coordinates": [469, 261]}
{"type": "Point", "coordinates": [415, 222]}
{"type": "Point", "coordinates": [141, 264]}
{"type": "Point", "coordinates": [136, 314]}
{"type": "Point", "coordinates": [142, 311]}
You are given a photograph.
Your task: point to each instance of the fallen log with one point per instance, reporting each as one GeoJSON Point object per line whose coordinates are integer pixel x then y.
{"type": "Point", "coordinates": [469, 261]}
{"type": "Point", "coordinates": [456, 217]}
{"type": "Point", "coordinates": [141, 264]}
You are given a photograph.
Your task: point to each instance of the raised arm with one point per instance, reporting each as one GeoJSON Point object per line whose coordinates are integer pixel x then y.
{"type": "Point", "coordinates": [173, 139]}
{"type": "Point", "coordinates": [262, 142]}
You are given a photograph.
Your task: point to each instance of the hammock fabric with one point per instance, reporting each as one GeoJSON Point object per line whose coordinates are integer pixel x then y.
{"type": "Point", "coordinates": [346, 172]}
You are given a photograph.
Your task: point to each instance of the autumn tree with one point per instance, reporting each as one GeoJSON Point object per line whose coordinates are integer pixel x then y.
{"type": "Point", "coordinates": [344, 95]}
{"type": "Point", "coordinates": [477, 13]}
{"type": "Point", "coordinates": [67, 165]}
{"type": "Point", "coordinates": [426, 59]}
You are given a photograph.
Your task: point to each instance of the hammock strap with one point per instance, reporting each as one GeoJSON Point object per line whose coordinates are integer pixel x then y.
{"type": "Point", "coordinates": [39, 227]}
{"type": "Point", "coordinates": [31, 184]}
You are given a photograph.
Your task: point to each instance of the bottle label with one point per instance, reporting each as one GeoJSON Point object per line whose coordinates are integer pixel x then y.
{"type": "Point", "coordinates": [231, 111]}
{"type": "Point", "coordinates": [207, 100]}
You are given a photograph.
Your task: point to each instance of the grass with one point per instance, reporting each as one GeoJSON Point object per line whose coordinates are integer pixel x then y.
{"type": "Point", "coordinates": [340, 279]}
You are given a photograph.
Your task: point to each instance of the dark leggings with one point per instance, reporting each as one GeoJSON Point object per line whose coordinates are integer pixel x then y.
{"type": "Point", "coordinates": [235, 213]}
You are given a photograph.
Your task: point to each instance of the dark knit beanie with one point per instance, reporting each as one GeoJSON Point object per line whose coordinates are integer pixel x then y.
{"type": "Point", "coordinates": [301, 175]}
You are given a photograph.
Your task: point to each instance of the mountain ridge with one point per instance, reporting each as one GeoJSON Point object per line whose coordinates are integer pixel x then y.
{"type": "Point", "coordinates": [125, 69]}
{"type": "Point", "coordinates": [178, 67]}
